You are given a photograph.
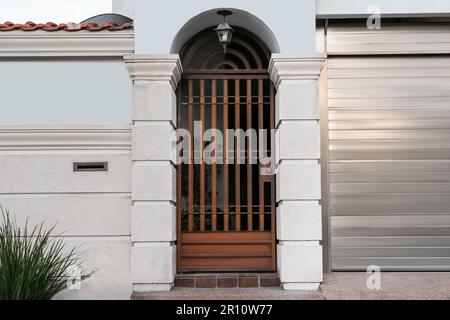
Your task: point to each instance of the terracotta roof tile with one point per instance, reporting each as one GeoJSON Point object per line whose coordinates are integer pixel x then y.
{"type": "Point", "coordinates": [50, 26]}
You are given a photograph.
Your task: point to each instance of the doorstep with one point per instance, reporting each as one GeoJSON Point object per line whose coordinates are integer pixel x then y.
{"type": "Point", "coordinates": [264, 294]}
{"type": "Point", "coordinates": [227, 281]}
{"type": "Point", "coordinates": [336, 286]}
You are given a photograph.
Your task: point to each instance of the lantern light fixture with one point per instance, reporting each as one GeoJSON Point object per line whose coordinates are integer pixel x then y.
{"type": "Point", "coordinates": [224, 30]}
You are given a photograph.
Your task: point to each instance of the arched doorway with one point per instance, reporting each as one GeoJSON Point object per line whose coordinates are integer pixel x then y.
{"type": "Point", "coordinates": [226, 210]}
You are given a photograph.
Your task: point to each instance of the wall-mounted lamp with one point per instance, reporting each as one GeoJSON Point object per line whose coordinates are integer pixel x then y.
{"type": "Point", "coordinates": [224, 31]}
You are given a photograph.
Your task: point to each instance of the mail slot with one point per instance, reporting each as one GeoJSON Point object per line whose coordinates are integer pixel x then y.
{"type": "Point", "coordinates": [90, 166]}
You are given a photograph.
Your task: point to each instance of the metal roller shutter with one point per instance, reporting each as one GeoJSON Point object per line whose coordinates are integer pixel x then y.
{"type": "Point", "coordinates": [389, 162]}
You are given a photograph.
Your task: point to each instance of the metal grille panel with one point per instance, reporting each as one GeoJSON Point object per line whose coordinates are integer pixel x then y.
{"type": "Point", "coordinates": [226, 211]}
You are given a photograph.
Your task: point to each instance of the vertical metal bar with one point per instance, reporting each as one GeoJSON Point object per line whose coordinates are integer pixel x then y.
{"type": "Point", "coordinates": [202, 165]}
{"type": "Point", "coordinates": [225, 155]}
{"type": "Point", "coordinates": [261, 127]}
{"type": "Point", "coordinates": [191, 154]}
{"type": "Point", "coordinates": [214, 164]}
{"type": "Point", "coordinates": [249, 159]}
{"type": "Point", "coordinates": [237, 166]}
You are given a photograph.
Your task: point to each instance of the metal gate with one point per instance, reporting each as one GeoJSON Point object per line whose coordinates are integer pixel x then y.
{"type": "Point", "coordinates": [226, 212]}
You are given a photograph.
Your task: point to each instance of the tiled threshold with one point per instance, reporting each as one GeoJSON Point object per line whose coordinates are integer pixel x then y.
{"type": "Point", "coordinates": [227, 281]}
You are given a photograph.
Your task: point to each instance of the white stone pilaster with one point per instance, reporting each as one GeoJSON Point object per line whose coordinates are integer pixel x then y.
{"type": "Point", "coordinates": [153, 213]}
{"type": "Point", "coordinates": [298, 178]}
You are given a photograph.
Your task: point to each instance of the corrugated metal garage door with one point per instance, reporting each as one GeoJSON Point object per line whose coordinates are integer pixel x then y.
{"type": "Point", "coordinates": [389, 162]}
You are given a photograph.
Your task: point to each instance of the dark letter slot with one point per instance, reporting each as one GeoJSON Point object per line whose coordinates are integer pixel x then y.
{"type": "Point", "coordinates": [90, 166]}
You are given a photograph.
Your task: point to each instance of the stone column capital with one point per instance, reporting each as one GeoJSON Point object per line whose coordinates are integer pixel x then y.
{"type": "Point", "coordinates": [161, 67]}
{"type": "Point", "coordinates": [295, 67]}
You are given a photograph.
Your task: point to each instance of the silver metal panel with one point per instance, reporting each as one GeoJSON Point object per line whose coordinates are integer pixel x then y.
{"type": "Point", "coordinates": [392, 264]}
{"type": "Point", "coordinates": [398, 104]}
{"type": "Point", "coordinates": [389, 161]}
{"type": "Point", "coordinates": [408, 242]}
{"type": "Point", "coordinates": [354, 38]}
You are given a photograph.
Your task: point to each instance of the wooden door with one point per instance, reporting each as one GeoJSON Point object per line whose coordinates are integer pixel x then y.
{"type": "Point", "coordinates": [226, 208]}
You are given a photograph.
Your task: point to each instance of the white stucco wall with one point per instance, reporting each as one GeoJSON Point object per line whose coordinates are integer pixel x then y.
{"type": "Point", "coordinates": [90, 209]}
{"type": "Point", "coordinates": [53, 112]}
{"type": "Point", "coordinates": [348, 8]}
{"type": "Point", "coordinates": [64, 91]}
{"type": "Point", "coordinates": [292, 21]}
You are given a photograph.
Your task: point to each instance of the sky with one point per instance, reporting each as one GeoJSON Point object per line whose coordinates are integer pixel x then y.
{"type": "Point", "coordinates": [58, 11]}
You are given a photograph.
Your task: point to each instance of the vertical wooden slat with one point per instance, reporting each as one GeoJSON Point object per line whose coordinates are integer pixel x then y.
{"type": "Point", "coordinates": [272, 109]}
{"type": "Point", "coordinates": [191, 155]}
{"type": "Point", "coordinates": [202, 165]}
{"type": "Point", "coordinates": [273, 222]}
{"type": "Point", "coordinates": [273, 186]}
{"type": "Point", "coordinates": [179, 175]}
{"type": "Point", "coordinates": [249, 159]}
{"type": "Point", "coordinates": [237, 166]}
{"type": "Point", "coordinates": [214, 164]}
{"type": "Point", "coordinates": [260, 127]}
{"type": "Point", "coordinates": [225, 154]}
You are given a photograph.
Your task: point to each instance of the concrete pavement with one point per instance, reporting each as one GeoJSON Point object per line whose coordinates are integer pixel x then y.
{"type": "Point", "coordinates": [336, 286]}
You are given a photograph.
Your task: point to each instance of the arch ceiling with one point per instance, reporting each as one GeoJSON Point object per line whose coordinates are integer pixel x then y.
{"type": "Point", "coordinates": [246, 51]}
{"type": "Point", "coordinates": [239, 18]}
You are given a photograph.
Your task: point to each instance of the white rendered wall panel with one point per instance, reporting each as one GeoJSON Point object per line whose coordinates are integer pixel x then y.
{"type": "Point", "coordinates": [90, 209]}
{"type": "Point", "coordinates": [109, 258]}
{"type": "Point", "coordinates": [65, 91]}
